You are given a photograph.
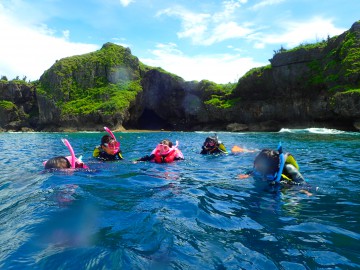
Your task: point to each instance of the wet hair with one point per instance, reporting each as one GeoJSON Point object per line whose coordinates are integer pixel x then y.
{"type": "Point", "coordinates": [60, 162]}
{"type": "Point", "coordinates": [270, 158]}
{"type": "Point", "coordinates": [106, 139]}
{"type": "Point", "coordinates": [167, 142]}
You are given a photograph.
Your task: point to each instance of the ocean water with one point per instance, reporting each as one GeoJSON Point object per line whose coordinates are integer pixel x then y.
{"type": "Point", "coordinates": [191, 214]}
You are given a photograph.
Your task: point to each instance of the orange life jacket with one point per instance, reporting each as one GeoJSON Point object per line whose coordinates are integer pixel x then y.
{"type": "Point", "coordinates": [165, 159]}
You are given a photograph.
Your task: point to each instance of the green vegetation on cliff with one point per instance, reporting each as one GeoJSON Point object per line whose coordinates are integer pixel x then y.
{"type": "Point", "coordinates": [7, 105]}
{"type": "Point", "coordinates": [105, 81]}
{"type": "Point", "coordinates": [106, 100]}
{"type": "Point", "coordinates": [258, 71]}
{"type": "Point", "coordinates": [217, 94]}
{"type": "Point", "coordinates": [350, 55]}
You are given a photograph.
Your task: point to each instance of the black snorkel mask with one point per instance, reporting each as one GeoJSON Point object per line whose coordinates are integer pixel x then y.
{"type": "Point", "coordinates": [211, 143]}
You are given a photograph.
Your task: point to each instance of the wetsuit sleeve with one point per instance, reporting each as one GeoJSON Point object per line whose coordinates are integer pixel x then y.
{"type": "Point", "coordinates": [96, 152]}
{"type": "Point", "coordinates": [203, 151]}
{"type": "Point", "coordinates": [147, 158]}
{"type": "Point", "coordinates": [294, 173]}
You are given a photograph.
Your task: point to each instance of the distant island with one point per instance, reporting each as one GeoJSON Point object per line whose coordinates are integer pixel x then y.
{"type": "Point", "coordinates": [312, 85]}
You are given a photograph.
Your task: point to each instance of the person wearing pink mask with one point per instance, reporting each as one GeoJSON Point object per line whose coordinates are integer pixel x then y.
{"type": "Point", "coordinates": [164, 152]}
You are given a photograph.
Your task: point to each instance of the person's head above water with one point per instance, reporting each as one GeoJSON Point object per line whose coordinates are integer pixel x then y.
{"type": "Point", "coordinates": [211, 142]}
{"type": "Point", "coordinates": [109, 145]}
{"type": "Point", "coordinates": [267, 162]}
{"type": "Point", "coordinates": [165, 146]}
{"type": "Point", "coordinates": [60, 162]}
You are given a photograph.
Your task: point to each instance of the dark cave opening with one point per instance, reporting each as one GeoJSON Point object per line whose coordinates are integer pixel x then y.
{"type": "Point", "coordinates": [150, 120]}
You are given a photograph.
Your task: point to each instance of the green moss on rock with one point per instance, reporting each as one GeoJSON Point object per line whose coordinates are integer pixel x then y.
{"type": "Point", "coordinates": [7, 105]}
{"type": "Point", "coordinates": [105, 81]}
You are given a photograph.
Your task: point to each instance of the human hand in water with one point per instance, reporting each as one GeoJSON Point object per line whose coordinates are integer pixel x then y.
{"type": "Point", "coordinates": [236, 149]}
{"type": "Point", "coordinates": [243, 176]}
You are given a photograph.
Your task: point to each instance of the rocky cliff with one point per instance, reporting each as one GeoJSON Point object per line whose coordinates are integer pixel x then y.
{"type": "Point", "coordinates": [314, 84]}
{"type": "Point", "coordinates": [311, 85]}
{"type": "Point", "coordinates": [18, 106]}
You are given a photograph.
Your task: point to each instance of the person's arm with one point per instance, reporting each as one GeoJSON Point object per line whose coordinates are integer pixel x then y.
{"type": "Point", "coordinates": [294, 173]}
{"type": "Point", "coordinates": [146, 158]}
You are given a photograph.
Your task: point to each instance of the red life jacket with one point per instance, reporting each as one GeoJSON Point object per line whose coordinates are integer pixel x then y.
{"type": "Point", "coordinates": [165, 159]}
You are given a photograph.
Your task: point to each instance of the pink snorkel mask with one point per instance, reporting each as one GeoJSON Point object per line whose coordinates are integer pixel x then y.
{"type": "Point", "coordinates": [114, 145]}
{"type": "Point", "coordinates": [165, 149]}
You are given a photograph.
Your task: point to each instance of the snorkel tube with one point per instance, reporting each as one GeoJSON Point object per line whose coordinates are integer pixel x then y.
{"type": "Point", "coordinates": [109, 131]}
{"type": "Point", "coordinates": [117, 146]}
{"type": "Point", "coordinates": [176, 145]}
{"type": "Point", "coordinates": [282, 163]}
{"type": "Point", "coordinates": [73, 158]}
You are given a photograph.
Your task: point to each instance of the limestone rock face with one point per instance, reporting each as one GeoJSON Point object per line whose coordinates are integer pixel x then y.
{"type": "Point", "coordinates": [347, 105]}
{"type": "Point", "coordinates": [310, 84]}
{"type": "Point", "coordinates": [81, 92]}
{"type": "Point", "coordinates": [236, 127]}
{"type": "Point", "coordinates": [357, 125]}
{"type": "Point", "coordinates": [18, 107]}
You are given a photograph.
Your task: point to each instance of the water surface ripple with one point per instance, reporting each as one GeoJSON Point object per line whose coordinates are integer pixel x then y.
{"type": "Point", "coordinates": [192, 214]}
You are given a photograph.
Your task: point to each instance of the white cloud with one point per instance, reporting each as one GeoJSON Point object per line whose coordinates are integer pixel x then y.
{"type": "Point", "coordinates": [66, 34]}
{"type": "Point", "coordinates": [259, 45]}
{"type": "Point", "coordinates": [26, 50]}
{"type": "Point", "coordinates": [207, 29]}
{"type": "Point", "coordinates": [219, 68]}
{"type": "Point", "coordinates": [226, 31]}
{"type": "Point", "coordinates": [296, 33]}
{"type": "Point", "coordinates": [125, 3]}
{"type": "Point", "coordinates": [194, 25]}
{"type": "Point", "coordinates": [229, 8]}
{"type": "Point", "coordinates": [265, 3]}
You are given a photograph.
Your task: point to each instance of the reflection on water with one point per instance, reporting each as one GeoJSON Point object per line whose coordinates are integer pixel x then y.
{"type": "Point", "coordinates": [192, 214]}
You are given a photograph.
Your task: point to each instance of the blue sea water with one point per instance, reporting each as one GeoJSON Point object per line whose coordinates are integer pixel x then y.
{"type": "Point", "coordinates": [191, 214]}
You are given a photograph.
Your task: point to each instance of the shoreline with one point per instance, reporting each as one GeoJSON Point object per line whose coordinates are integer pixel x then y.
{"type": "Point", "coordinates": [284, 129]}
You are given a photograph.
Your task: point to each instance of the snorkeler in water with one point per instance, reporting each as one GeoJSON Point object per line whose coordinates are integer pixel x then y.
{"type": "Point", "coordinates": [165, 152]}
{"type": "Point", "coordinates": [109, 149]}
{"type": "Point", "coordinates": [212, 145]}
{"type": "Point", "coordinates": [276, 167]}
{"type": "Point", "coordinates": [62, 162]}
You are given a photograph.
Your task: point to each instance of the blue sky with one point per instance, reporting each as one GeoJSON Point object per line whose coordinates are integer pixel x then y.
{"type": "Point", "coordinates": [214, 40]}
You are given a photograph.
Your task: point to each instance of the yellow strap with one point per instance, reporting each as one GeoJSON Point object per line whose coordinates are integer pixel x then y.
{"type": "Point", "coordinates": [285, 177]}
{"type": "Point", "coordinates": [290, 159]}
{"type": "Point", "coordinates": [222, 148]}
{"type": "Point", "coordinates": [96, 152]}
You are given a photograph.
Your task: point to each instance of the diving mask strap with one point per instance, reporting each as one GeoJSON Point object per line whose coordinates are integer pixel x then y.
{"type": "Point", "coordinates": [282, 163]}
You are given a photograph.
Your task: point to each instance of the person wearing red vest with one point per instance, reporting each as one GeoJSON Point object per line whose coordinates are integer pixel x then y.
{"type": "Point", "coordinates": [164, 152]}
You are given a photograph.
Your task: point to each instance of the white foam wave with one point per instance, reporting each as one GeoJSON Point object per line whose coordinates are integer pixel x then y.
{"type": "Point", "coordinates": [313, 130]}
{"type": "Point", "coordinates": [325, 131]}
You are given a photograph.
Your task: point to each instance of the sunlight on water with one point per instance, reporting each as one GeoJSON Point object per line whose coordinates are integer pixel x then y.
{"type": "Point", "coordinates": [192, 214]}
